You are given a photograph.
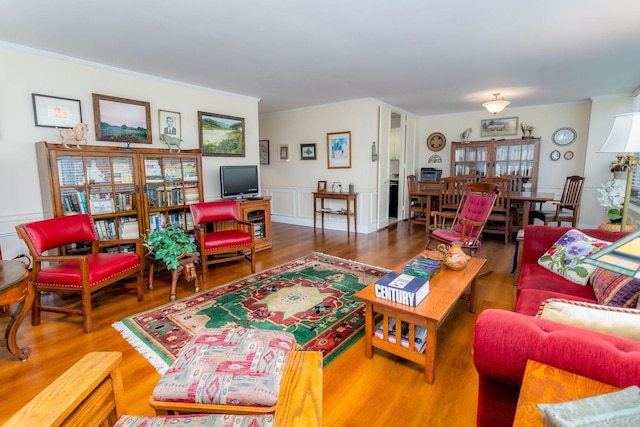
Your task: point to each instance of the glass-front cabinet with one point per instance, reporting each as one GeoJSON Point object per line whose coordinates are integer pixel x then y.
{"type": "Point", "coordinates": [125, 191]}
{"type": "Point", "coordinates": [494, 158]}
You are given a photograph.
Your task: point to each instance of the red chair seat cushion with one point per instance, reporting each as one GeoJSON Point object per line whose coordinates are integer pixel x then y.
{"type": "Point", "coordinates": [228, 366]}
{"type": "Point", "coordinates": [226, 239]}
{"type": "Point", "coordinates": [101, 267]}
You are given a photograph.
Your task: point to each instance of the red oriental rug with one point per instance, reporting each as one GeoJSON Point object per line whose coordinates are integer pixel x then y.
{"type": "Point", "coordinates": [311, 297]}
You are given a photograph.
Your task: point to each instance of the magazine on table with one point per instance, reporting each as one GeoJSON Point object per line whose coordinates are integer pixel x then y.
{"type": "Point", "coordinates": [420, 333]}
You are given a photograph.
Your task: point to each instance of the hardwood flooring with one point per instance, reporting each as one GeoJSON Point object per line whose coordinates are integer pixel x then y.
{"type": "Point", "coordinates": [382, 391]}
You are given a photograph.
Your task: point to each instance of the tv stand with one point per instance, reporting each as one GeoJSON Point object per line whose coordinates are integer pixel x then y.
{"type": "Point", "coordinates": [258, 211]}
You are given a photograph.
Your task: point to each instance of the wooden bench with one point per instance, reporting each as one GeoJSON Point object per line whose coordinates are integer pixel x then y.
{"type": "Point", "coordinates": [91, 393]}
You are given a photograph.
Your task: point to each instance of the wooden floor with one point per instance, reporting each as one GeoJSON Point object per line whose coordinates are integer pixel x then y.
{"type": "Point", "coordinates": [382, 391]}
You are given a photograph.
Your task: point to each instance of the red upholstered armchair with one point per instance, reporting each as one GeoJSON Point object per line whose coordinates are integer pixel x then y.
{"type": "Point", "coordinates": [228, 238]}
{"type": "Point", "coordinates": [81, 274]}
{"type": "Point", "coordinates": [467, 223]}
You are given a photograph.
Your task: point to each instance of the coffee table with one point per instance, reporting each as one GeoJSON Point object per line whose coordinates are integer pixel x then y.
{"type": "Point", "coordinates": [446, 288]}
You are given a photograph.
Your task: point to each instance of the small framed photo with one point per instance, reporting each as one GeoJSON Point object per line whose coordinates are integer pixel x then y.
{"type": "Point", "coordinates": [121, 120]}
{"type": "Point", "coordinates": [499, 127]}
{"type": "Point", "coordinates": [55, 112]}
{"type": "Point", "coordinates": [101, 206]}
{"type": "Point", "coordinates": [126, 178]}
{"type": "Point", "coordinates": [283, 152]}
{"type": "Point", "coordinates": [339, 150]}
{"type": "Point", "coordinates": [169, 123]}
{"type": "Point", "coordinates": [263, 147]}
{"type": "Point", "coordinates": [220, 135]}
{"type": "Point", "coordinates": [322, 186]}
{"type": "Point", "coordinates": [308, 151]}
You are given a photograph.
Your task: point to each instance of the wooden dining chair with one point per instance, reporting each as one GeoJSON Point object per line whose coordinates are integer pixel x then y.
{"type": "Point", "coordinates": [416, 203]}
{"type": "Point", "coordinates": [451, 193]}
{"type": "Point", "coordinates": [516, 207]}
{"type": "Point", "coordinates": [567, 208]}
{"type": "Point", "coordinates": [501, 217]}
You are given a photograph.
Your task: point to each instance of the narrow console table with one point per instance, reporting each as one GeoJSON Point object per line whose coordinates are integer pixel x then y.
{"type": "Point", "coordinates": [15, 287]}
{"type": "Point", "coordinates": [347, 197]}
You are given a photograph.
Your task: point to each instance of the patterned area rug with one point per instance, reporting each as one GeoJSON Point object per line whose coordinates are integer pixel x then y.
{"type": "Point", "coordinates": [311, 297]}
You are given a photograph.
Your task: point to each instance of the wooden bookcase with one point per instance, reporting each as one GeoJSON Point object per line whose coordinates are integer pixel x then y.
{"type": "Point", "coordinates": [498, 157]}
{"type": "Point", "coordinates": [126, 191]}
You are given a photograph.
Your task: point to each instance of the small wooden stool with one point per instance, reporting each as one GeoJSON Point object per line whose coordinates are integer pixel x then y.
{"type": "Point", "coordinates": [187, 265]}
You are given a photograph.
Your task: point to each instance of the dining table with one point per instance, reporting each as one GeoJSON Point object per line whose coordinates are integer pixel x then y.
{"type": "Point", "coordinates": [428, 190]}
{"type": "Point", "coordinates": [528, 197]}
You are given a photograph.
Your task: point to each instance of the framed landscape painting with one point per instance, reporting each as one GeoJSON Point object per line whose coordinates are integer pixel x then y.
{"type": "Point", "coordinates": [221, 135]}
{"type": "Point", "coordinates": [121, 120]}
{"type": "Point", "coordinates": [499, 127]}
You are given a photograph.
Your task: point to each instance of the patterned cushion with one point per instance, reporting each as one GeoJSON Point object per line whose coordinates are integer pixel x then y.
{"type": "Point", "coordinates": [226, 420]}
{"type": "Point", "coordinates": [234, 366]}
{"type": "Point", "coordinates": [615, 289]}
{"type": "Point", "coordinates": [566, 255]}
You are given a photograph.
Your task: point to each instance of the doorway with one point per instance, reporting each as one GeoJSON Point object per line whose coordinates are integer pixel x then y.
{"type": "Point", "coordinates": [395, 151]}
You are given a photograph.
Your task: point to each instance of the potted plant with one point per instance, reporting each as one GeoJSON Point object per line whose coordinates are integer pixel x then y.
{"type": "Point", "coordinates": [169, 245]}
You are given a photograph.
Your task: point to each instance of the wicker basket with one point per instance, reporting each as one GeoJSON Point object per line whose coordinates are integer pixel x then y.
{"type": "Point", "coordinates": [609, 226]}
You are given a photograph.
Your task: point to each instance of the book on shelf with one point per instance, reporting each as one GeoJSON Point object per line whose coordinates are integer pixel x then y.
{"type": "Point", "coordinates": [420, 342]}
{"type": "Point", "coordinates": [402, 288]}
{"type": "Point", "coordinates": [422, 267]}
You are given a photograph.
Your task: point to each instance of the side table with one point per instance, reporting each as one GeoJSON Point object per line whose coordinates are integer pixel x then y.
{"type": "Point", "coordinates": [187, 265]}
{"type": "Point", "coordinates": [15, 287]}
{"type": "Point", "coordinates": [547, 384]}
{"type": "Point", "coordinates": [347, 197]}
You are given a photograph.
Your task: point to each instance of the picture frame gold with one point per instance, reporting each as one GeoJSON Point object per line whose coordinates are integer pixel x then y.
{"type": "Point", "coordinates": [122, 120]}
{"type": "Point", "coordinates": [339, 150]}
{"type": "Point", "coordinates": [221, 135]}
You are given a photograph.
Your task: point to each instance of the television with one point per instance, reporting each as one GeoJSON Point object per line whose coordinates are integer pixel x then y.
{"type": "Point", "coordinates": [237, 182]}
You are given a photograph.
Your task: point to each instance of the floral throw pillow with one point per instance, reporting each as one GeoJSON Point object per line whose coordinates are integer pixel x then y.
{"type": "Point", "coordinates": [566, 256]}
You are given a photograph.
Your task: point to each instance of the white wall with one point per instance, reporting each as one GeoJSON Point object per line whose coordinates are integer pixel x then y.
{"type": "Point", "coordinates": [291, 183]}
{"type": "Point", "coordinates": [24, 72]}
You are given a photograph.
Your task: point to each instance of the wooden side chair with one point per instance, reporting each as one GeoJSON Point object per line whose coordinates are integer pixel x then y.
{"type": "Point", "coordinates": [501, 217]}
{"type": "Point", "coordinates": [451, 193]}
{"type": "Point", "coordinates": [221, 235]}
{"type": "Point", "coordinates": [416, 203]}
{"type": "Point", "coordinates": [467, 223]}
{"type": "Point", "coordinates": [567, 208]}
{"type": "Point", "coordinates": [82, 274]}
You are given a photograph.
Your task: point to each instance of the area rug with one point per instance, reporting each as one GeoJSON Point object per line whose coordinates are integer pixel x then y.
{"type": "Point", "coordinates": [311, 297]}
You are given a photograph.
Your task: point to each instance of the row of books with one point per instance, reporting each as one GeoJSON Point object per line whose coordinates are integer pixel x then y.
{"type": "Point", "coordinates": [420, 343]}
{"type": "Point", "coordinates": [171, 171]}
{"type": "Point", "coordinates": [162, 197]}
{"type": "Point", "coordinates": [158, 221]}
{"type": "Point", "coordinates": [129, 228]}
{"type": "Point", "coordinates": [409, 287]}
{"type": "Point", "coordinates": [74, 201]}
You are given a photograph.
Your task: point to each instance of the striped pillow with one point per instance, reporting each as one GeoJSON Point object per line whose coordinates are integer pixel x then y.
{"type": "Point", "coordinates": [615, 289]}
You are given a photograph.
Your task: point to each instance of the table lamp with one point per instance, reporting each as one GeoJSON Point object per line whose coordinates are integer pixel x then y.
{"type": "Point", "coordinates": [624, 140]}
{"type": "Point", "coordinates": [622, 256]}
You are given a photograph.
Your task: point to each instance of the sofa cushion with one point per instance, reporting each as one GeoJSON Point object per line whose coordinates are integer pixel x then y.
{"type": "Point", "coordinates": [615, 289]}
{"type": "Point", "coordinates": [529, 301]}
{"type": "Point", "coordinates": [620, 322]}
{"type": "Point", "coordinates": [533, 276]}
{"type": "Point", "coordinates": [566, 255]}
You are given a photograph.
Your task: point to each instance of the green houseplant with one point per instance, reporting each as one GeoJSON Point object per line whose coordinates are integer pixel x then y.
{"type": "Point", "coordinates": [169, 244]}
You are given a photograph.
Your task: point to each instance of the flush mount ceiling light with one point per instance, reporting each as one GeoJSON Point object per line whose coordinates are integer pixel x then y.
{"type": "Point", "coordinates": [496, 105]}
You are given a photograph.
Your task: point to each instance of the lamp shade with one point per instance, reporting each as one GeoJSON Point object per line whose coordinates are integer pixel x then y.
{"type": "Point", "coordinates": [496, 105]}
{"type": "Point", "coordinates": [624, 136]}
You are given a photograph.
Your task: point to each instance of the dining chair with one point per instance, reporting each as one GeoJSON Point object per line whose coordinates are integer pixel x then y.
{"type": "Point", "coordinates": [221, 235]}
{"type": "Point", "coordinates": [567, 208]}
{"type": "Point", "coordinates": [416, 203]}
{"type": "Point", "coordinates": [500, 219]}
{"type": "Point", "coordinates": [467, 223]}
{"type": "Point", "coordinates": [76, 273]}
{"type": "Point", "coordinates": [451, 193]}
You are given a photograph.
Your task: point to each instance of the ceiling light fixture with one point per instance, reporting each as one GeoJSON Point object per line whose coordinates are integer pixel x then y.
{"type": "Point", "coordinates": [496, 105]}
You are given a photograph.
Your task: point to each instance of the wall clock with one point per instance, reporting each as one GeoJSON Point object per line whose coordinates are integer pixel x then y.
{"type": "Point", "coordinates": [436, 141]}
{"type": "Point", "coordinates": [564, 136]}
{"type": "Point", "coordinates": [555, 155]}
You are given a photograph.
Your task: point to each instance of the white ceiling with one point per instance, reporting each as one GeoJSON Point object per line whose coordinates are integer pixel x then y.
{"type": "Point", "coordinates": [424, 56]}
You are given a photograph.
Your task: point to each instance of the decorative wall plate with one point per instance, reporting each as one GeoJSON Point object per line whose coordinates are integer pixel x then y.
{"type": "Point", "coordinates": [568, 155]}
{"type": "Point", "coordinates": [564, 136]}
{"type": "Point", "coordinates": [555, 155]}
{"type": "Point", "coordinates": [436, 141]}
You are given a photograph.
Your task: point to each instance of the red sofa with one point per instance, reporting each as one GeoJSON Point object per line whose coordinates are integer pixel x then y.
{"type": "Point", "coordinates": [505, 340]}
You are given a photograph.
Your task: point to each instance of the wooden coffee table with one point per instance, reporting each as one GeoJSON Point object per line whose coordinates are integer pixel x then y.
{"type": "Point", "coordinates": [446, 288]}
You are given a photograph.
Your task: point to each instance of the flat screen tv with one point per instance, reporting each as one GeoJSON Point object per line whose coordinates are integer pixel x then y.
{"type": "Point", "coordinates": [237, 182]}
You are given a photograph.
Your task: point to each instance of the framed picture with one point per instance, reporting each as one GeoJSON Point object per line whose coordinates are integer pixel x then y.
{"type": "Point", "coordinates": [55, 112]}
{"type": "Point", "coordinates": [121, 120]}
{"type": "Point", "coordinates": [126, 178]}
{"type": "Point", "coordinates": [499, 127]}
{"type": "Point", "coordinates": [169, 123]}
{"type": "Point", "coordinates": [283, 152]}
{"type": "Point", "coordinates": [220, 135]}
{"type": "Point", "coordinates": [263, 147]}
{"type": "Point", "coordinates": [322, 186]}
{"type": "Point", "coordinates": [339, 150]}
{"type": "Point", "coordinates": [101, 206]}
{"type": "Point", "coordinates": [308, 151]}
